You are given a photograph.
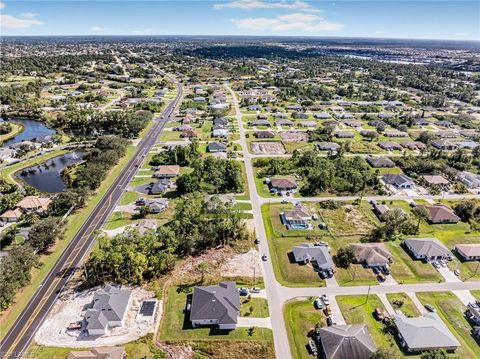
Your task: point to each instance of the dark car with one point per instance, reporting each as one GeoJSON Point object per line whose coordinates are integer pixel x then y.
{"type": "Point", "coordinates": [376, 270]}
{"type": "Point", "coordinates": [385, 270]}
{"type": "Point", "coordinates": [381, 278]}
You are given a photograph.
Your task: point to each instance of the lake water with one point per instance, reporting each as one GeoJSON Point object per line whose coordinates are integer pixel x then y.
{"type": "Point", "coordinates": [31, 130]}
{"type": "Point", "coordinates": [46, 177]}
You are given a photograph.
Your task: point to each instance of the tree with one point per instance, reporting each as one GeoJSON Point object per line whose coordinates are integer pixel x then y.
{"type": "Point", "coordinates": [344, 257]}
{"type": "Point", "coordinates": [44, 233]}
{"type": "Point", "coordinates": [385, 353]}
{"type": "Point", "coordinates": [30, 218]}
{"type": "Point", "coordinates": [421, 213]}
{"type": "Point", "coordinates": [434, 354]}
{"type": "Point", "coordinates": [143, 211]}
{"type": "Point", "coordinates": [203, 268]}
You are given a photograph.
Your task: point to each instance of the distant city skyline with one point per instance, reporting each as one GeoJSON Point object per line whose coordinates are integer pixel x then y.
{"type": "Point", "coordinates": [449, 20]}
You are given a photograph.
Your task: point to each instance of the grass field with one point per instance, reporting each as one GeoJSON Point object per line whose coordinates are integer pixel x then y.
{"type": "Point", "coordinates": [404, 303]}
{"type": "Point", "coordinates": [451, 310]}
{"type": "Point", "coordinates": [254, 307]}
{"type": "Point", "coordinates": [300, 318]}
{"type": "Point", "coordinates": [358, 310]}
{"type": "Point", "coordinates": [17, 128]}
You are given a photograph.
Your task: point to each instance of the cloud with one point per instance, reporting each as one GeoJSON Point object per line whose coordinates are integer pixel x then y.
{"type": "Point", "coordinates": [461, 34]}
{"type": "Point", "coordinates": [98, 29]}
{"type": "Point", "coordinates": [12, 22]}
{"type": "Point", "coordinates": [2, 5]}
{"type": "Point", "coordinates": [259, 4]}
{"type": "Point", "coordinates": [291, 22]}
{"type": "Point", "coordinates": [28, 15]}
{"type": "Point", "coordinates": [142, 31]}
{"type": "Point", "coordinates": [380, 32]}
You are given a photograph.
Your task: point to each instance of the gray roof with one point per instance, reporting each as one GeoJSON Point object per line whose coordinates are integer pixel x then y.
{"type": "Point", "coordinates": [108, 305]}
{"type": "Point", "coordinates": [328, 146]}
{"type": "Point", "coordinates": [380, 162]}
{"type": "Point", "coordinates": [217, 146]}
{"type": "Point", "coordinates": [426, 332]}
{"type": "Point", "coordinates": [220, 302]}
{"type": "Point", "coordinates": [397, 179]}
{"type": "Point", "coordinates": [430, 247]}
{"type": "Point", "coordinates": [347, 342]}
{"type": "Point", "coordinates": [313, 253]}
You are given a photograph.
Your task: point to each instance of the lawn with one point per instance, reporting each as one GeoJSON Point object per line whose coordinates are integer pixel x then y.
{"type": "Point", "coordinates": [176, 325]}
{"type": "Point", "coordinates": [128, 197]}
{"type": "Point", "coordinates": [451, 310]}
{"type": "Point", "coordinates": [75, 221]}
{"type": "Point", "coordinates": [403, 302]}
{"type": "Point", "coordinates": [17, 128]}
{"type": "Point", "coordinates": [254, 307]}
{"type": "Point", "coordinates": [346, 220]}
{"type": "Point", "coordinates": [300, 318]}
{"type": "Point", "coordinates": [170, 136]}
{"type": "Point", "coordinates": [357, 309]}
{"type": "Point", "coordinates": [476, 294]}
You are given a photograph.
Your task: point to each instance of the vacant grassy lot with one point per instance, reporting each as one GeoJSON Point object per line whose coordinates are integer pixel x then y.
{"type": "Point", "coordinates": [357, 309]}
{"type": "Point", "coordinates": [346, 220]}
{"type": "Point", "coordinates": [451, 310]}
{"type": "Point", "coordinates": [300, 318]}
{"type": "Point", "coordinates": [176, 324]}
{"type": "Point", "coordinates": [128, 197]}
{"type": "Point", "coordinates": [404, 303]}
{"type": "Point", "coordinates": [254, 307]}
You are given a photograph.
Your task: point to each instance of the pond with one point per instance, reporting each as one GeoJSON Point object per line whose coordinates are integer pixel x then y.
{"type": "Point", "coordinates": [31, 129]}
{"type": "Point", "coordinates": [46, 177]}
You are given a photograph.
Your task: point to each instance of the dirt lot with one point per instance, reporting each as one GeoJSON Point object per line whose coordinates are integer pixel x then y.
{"type": "Point", "coordinates": [294, 136]}
{"type": "Point", "coordinates": [267, 148]}
{"type": "Point", "coordinates": [70, 308]}
{"type": "Point", "coordinates": [241, 265]}
{"type": "Point", "coordinates": [346, 221]}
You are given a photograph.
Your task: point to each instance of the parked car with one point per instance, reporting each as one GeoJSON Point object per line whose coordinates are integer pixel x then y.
{"type": "Point", "coordinates": [385, 270]}
{"type": "Point", "coordinates": [456, 272]}
{"type": "Point", "coordinates": [255, 290]}
{"type": "Point", "coordinates": [327, 310]}
{"type": "Point", "coordinates": [442, 263]}
{"type": "Point", "coordinates": [264, 257]}
{"type": "Point", "coordinates": [381, 278]}
{"type": "Point", "coordinates": [379, 314]}
{"type": "Point", "coordinates": [312, 346]}
{"type": "Point", "coordinates": [284, 200]}
{"type": "Point", "coordinates": [430, 308]}
{"type": "Point", "coordinates": [376, 271]}
{"type": "Point", "coordinates": [243, 291]}
{"type": "Point", "coordinates": [325, 299]}
{"type": "Point", "coordinates": [257, 241]}
{"type": "Point", "coordinates": [436, 264]}
{"type": "Point", "coordinates": [318, 304]}
{"type": "Point", "coordinates": [331, 320]}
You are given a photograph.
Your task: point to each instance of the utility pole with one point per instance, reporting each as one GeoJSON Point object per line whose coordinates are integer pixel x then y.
{"type": "Point", "coordinates": [368, 293]}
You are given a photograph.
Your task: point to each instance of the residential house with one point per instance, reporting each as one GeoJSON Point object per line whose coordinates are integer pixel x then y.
{"type": "Point", "coordinates": [309, 124]}
{"type": "Point", "coordinates": [390, 146]}
{"type": "Point", "coordinates": [351, 341]}
{"type": "Point", "coordinates": [215, 147]}
{"type": "Point", "coordinates": [380, 162]}
{"type": "Point", "coordinates": [469, 179]}
{"type": "Point", "coordinates": [294, 107]}
{"type": "Point", "coordinates": [444, 145]}
{"type": "Point", "coordinates": [260, 123]}
{"type": "Point", "coordinates": [394, 133]}
{"type": "Point", "coordinates": [217, 305]}
{"type": "Point", "coordinates": [280, 115]}
{"type": "Point", "coordinates": [429, 249]}
{"type": "Point", "coordinates": [345, 134]}
{"type": "Point", "coordinates": [34, 204]}
{"type": "Point", "coordinates": [469, 145]}
{"type": "Point", "coordinates": [436, 180]}
{"type": "Point", "coordinates": [447, 134]}
{"type": "Point", "coordinates": [413, 145]}
{"type": "Point", "coordinates": [220, 122]}
{"type": "Point", "coordinates": [156, 205]}
{"type": "Point", "coordinates": [107, 310]}
{"type": "Point", "coordinates": [161, 186]}
{"type": "Point", "coordinates": [308, 253]}
{"type": "Point", "coordinates": [283, 184]}
{"type": "Point", "coordinates": [286, 123]}
{"type": "Point", "coordinates": [327, 146]}
{"type": "Point", "coordinates": [421, 122]}
{"type": "Point", "coordinates": [11, 215]}
{"type": "Point", "coordinates": [380, 209]}
{"type": "Point", "coordinates": [264, 134]}
{"type": "Point", "coordinates": [220, 132]}
{"type": "Point", "coordinates": [440, 213]}
{"type": "Point", "coordinates": [188, 134]}
{"type": "Point", "coordinates": [297, 218]}
{"type": "Point", "coordinates": [322, 116]}
{"type": "Point", "coordinates": [146, 225]}
{"type": "Point", "coordinates": [254, 108]}
{"type": "Point", "coordinates": [99, 353]}
{"type": "Point", "coordinates": [299, 115]}
{"type": "Point", "coordinates": [473, 312]}
{"type": "Point", "coordinates": [468, 252]}
{"type": "Point", "coordinates": [167, 171]}
{"type": "Point", "coordinates": [427, 332]}
{"type": "Point", "coordinates": [400, 181]}
{"type": "Point", "coordinates": [372, 254]}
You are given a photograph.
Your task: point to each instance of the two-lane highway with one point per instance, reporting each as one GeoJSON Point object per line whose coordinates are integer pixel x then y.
{"type": "Point", "coordinates": [20, 335]}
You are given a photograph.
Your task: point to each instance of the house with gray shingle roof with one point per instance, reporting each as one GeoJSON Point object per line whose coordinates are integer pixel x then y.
{"type": "Point", "coordinates": [308, 252]}
{"type": "Point", "coordinates": [398, 180]}
{"type": "Point", "coordinates": [217, 305]}
{"type": "Point", "coordinates": [346, 342]}
{"type": "Point", "coordinates": [427, 332]}
{"type": "Point", "coordinates": [107, 309]}
{"type": "Point", "coordinates": [380, 162]}
{"type": "Point", "coordinates": [427, 248]}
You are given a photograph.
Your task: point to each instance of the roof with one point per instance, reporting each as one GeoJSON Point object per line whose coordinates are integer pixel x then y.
{"type": "Point", "coordinates": [430, 247]}
{"type": "Point", "coordinates": [469, 250]}
{"type": "Point", "coordinates": [217, 146]}
{"type": "Point", "coordinates": [12, 213]}
{"type": "Point", "coordinates": [34, 202]}
{"type": "Point", "coordinates": [424, 332]}
{"type": "Point", "coordinates": [219, 302]}
{"type": "Point", "coordinates": [380, 162]}
{"type": "Point", "coordinates": [146, 224]}
{"type": "Point", "coordinates": [435, 179]}
{"type": "Point", "coordinates": [328, 146]}
{"type": "Point", "coordinates": [109, 304]}
{"type": "Point", "coordinates": [397, 179]}
{"type": "Point", "coordinates": [440, 212]}
{"type": "Point", "coordinates": [98, 353]}
{"type": "Point", "coordinates": [283, 182]}
{"type": "Point", "coordinates": [313, 253]}
{"type": "Point", "coordinates": [347, 342]}
{"type": "Point", "coordinates": [167, 170]}
{"type": "Point", "coordinates": [371, 253]}
{"type": "Point", "coordinates": [297, 213]}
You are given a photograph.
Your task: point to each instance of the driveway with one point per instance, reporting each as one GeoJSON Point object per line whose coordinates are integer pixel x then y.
{"type": "Point", "coordinates": [336, 312]}
{"type": "Point", "coordinates": [248, 322]}
{"type": "Point", "coordinates": [386, 303]}
{"type": "Point", "coordinates": [465, 296]}
{"type": "Point", "coordinates": [448, 275]}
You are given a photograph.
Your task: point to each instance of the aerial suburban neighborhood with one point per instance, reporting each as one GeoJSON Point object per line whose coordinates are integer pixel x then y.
{"type": "Point", "coordinates": [237, 197]}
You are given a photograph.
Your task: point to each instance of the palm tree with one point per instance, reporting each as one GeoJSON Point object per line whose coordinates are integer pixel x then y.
{"type": "Point", "coordinates": [31, 218]}
{"type": "Point", "coordinates": [420, 213]}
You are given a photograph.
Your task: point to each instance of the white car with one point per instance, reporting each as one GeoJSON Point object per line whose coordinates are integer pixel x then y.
{"type": "Point", "coordinates": [318, 304]}
{"type": "Point", "coordinates": [436, 264]}
{"type": "Point", "coordinates": [442, 263]}
{"type": "Point", "coordinates": [325, 299]}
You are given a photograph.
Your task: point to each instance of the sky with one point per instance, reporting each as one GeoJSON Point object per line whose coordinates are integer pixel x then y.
{"type": "Point", "coordinates": [427, 19]}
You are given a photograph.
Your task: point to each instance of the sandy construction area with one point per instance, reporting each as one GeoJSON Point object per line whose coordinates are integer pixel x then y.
{"type": "Point", "coordinates": [267, 148]}
{"type": "Point", "coordinates": [71, 308]}
{"type": "Point", "coordinates": [294, 136]}
{"type": "Point", "coordinates": [242, 265]}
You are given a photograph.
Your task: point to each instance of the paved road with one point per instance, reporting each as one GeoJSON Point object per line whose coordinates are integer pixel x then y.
{"type": "Point", "coordinates": [20, 335]}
